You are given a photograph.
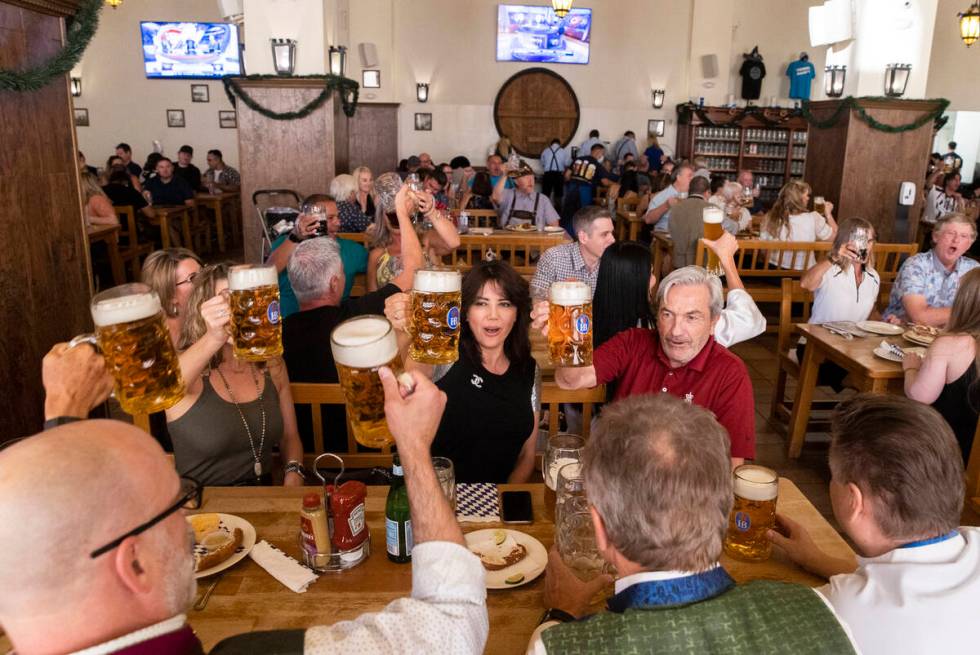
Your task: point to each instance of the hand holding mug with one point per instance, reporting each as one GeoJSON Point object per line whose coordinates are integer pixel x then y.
{"type": "Point", "coordinates": [216, 313]}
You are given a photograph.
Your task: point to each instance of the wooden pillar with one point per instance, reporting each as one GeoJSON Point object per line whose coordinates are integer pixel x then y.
{"type": "Point", "coordinates": [860, 169]}
{"type": "Point", "coordinates": [44, 269]}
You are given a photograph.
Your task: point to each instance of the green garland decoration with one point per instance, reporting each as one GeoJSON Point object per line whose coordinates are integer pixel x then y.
{"type": "Point", "coordinates": [79, 35]}
{"type": "Point", "coordinates": [851, 102]}
{"type": "Point", "coordinates": [768, 116]}
{"type": "Point", "coordinates": [347, 88]}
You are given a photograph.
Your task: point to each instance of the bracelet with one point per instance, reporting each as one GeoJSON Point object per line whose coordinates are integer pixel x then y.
{"type": "Point", "coordinates": [555, 614]}
{"type": "Point", "coordinates": [59, 420]}
{"type": "Point", "coordinates": [295, 467]}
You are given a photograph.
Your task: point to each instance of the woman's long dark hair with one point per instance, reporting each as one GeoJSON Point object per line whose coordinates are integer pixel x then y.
{"type": "Point", "coordinates": [481, 184]}
{"type": "Point", "coordinates": [622, 292]}
{"type": "Point", "coordinates": [517, 345]}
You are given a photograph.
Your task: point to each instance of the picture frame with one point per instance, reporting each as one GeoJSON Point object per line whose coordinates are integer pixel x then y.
{"type": "Point", "coordinates": [423, 122]}
{"type": "Point", "coordinates": [656, 127]}
{"type": "Point", "coordinates": [175, 118]}
{"type": "Point", "coordinates": [371, 79]}
{"type": "Point", "coordinates": [227, 119]}
{"type": "Point", "coordinates": [200, 93]}
{"type": "Point", "coordinates": [81, 117]}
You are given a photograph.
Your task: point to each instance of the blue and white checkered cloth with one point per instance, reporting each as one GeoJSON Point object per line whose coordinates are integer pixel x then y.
{"type": "Point", "coordinates": [477, 502]}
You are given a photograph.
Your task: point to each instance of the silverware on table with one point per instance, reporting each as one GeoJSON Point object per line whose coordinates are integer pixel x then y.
{"type": "Point", "coordinates": [202, 602]}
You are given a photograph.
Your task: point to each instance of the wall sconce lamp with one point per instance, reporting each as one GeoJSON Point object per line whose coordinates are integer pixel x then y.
{"type": "Point", "coordinates": [422, 92]}
{"type": "Point", "coordinates": [284, 56]}
{"type": "Point", "coordinates": [658, 98]}
{"type": "Point", "coordinates": [76, 87]}
{"type": "Point", "coordinates": [896, 79]}
{"type": "Point", "coordinates": [337, 56]}
{"type": "Point", "coordinates": [833, 80]}
{"type": "Point", "coordinates": [561, 7]}
{"type": "Point", "coordinates": [970, 24]}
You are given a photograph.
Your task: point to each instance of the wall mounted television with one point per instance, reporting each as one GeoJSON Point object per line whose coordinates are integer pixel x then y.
{"type": "Point", "coordinates": [530, 33]}
{"type": "Point", "coordinates": [182, 50]}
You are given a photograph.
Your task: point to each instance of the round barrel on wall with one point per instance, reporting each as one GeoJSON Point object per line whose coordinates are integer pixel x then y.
{"type": "Point", "coordinates": [533, 107]}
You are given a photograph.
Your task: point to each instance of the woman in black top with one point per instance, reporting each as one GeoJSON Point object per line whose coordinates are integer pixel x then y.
{"type": "Point", "coordinates": [489, 427]}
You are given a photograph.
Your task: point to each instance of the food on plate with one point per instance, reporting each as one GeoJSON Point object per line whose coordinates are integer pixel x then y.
{"type": "Point", "coordinates": [500, 552]}
{"type": "Point", "coordinates": [925, 330]}
{"type": "Point", "coordinates": [522, 227]}
{"type": "Point", "coordinates": [203, 524]}
{"type": "Point", "coordinates": [220, 545]}
{"type": "Point", "coordinates": [517, 578]}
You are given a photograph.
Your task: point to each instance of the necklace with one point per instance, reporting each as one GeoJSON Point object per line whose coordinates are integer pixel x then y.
{"type": "Point", "coordinates": [257, 456]}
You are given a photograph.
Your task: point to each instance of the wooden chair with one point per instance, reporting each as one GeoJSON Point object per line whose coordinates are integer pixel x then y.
{"type": "Point", "coordinates": [552, 396]}
{"type": "Point", "coordinates": [481, 217]}
{"type": "Point", "coordinates": [625, 208]}
{"type": "Point", "coordinates": [132, 250]}
{"type": "Point", "coordinates": [973, 473]}
{"type": "Point", "coordinates": [601, 197]}
{"type": "Point", "coordinates": [792, 292]}
{"type": "Point", "coordinates": [200, 230]}
{"type": "Point", "coordinates": [519, 254]}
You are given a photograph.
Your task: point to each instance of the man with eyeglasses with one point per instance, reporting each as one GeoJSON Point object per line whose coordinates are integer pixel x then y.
{"type": "Point", "coordinates": [96, 550]}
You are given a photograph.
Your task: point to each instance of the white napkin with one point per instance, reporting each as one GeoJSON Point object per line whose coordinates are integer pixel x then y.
{"type": "Point", "coordinates": [282, 567]}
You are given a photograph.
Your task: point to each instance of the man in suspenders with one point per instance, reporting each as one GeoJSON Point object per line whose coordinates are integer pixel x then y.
{"type": "Point", "coordinates": [522, 205]}
{"type": "Point", "coordinates": [554, 161]}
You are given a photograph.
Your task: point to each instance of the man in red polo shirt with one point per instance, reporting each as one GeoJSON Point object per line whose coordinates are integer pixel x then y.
{"type": "Point", "coordinates": [680, 358]}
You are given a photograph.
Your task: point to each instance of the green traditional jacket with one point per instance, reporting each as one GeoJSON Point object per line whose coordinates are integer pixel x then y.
{"type": "Point", "coordinates": [757, 618]}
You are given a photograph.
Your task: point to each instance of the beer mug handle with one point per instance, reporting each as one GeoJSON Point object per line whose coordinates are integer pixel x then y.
{"type": "Point", "coordinates": [88, 338]}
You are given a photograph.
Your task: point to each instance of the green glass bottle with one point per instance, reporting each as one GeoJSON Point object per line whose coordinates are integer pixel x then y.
{"type": "Point", "coordinates": [398, 517]}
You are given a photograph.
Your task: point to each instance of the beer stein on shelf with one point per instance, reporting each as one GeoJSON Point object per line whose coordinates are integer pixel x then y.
{"type": "Point", "coordinates": [256, 328]}
{"type": "Point", "coordinates": [434, 325]}
{"type": "Point", "coordinates": [131, 333]}
{"type": "Point", "coordinates": [361, 346]}
{"type": "Point", "coordinates": [570, 324]}
{"type": "Point", "coordinates": [350, 539]}
{"type": "Point", "coordinates": [753, 513]}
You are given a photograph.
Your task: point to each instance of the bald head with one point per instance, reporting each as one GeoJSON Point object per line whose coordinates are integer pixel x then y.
{"type": "Point", "coordinates": [69, 491]}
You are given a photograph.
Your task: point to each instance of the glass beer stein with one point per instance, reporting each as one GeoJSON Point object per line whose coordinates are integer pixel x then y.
{"type": "Point", "coordinates": [256, 329]}
{"type": "Point", "coordinates": [753, 514]}
{"type": "Point", "coordinates": [713, 218]}
{"type": "Point", "coordinates": [436, 302]}
{"type": "Point", "coordinates": [570, 324]}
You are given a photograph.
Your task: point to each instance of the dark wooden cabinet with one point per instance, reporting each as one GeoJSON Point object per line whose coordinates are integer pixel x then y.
{"type": "Point", "coordinates": [772, 144]}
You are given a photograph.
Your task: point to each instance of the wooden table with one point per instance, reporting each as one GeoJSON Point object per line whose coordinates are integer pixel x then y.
{"type": "Point", "coordinates": [165, 215]}
{"type": "Point", "coordinates": [630, 222]}
{"type": "Point", "coordinates": [868, 372]}
{"type": "Point", "coordinates": [216, 203]}
{"type": "Point", "coordinates": [247, 598]}
{"type": "Point", "coordinates": [109, 234]}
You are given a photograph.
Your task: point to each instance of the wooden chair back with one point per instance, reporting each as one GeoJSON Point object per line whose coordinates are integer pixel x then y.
{"type": "Point", "coordinates": [520, 254]}
{"type": "Point", "coordinates": [481, 217]}
{"type": "Point", "coordinates": [552, 396]}
{"type": "Point", "coordinates": [888, 260]}
{"type": "Point", "coordinates": [132, 250]}
{"type": "Point", "coordinates": [792, 292]}
{"type": "Point", "coordinates": [625, 207]}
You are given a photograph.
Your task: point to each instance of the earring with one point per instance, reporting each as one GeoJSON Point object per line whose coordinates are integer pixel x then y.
{"type": "Point", "coordinates": [174, 310]}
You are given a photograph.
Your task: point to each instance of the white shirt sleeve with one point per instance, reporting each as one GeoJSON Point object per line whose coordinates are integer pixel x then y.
{"type": "Point", "coordinates": [447, 612]}
{"type": "Point", "coordinates": [740, 320]}
{"type": "Point", "coordinates": [822, 227]}
{"type": "Point", "coordinates": [744, 219]}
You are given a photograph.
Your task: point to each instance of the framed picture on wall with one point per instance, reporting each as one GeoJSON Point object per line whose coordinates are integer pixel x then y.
{"type": "Point", "coordinates": [200, 93]}
{"type": "Point", "coordinates": [371, 79]}
{"type": "Point", "coordinates": [227, 119]}
{"type": "Point", "coordinates": [423, 122]}
{"type": "Point", "coordinates": [655, 127]}
{"type": "Point", "coordinates": [175, 118]}
{"type": "Point", "coordinates": [81, 117]}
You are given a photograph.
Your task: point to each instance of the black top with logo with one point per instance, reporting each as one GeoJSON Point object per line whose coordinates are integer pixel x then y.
{"type": "Point", "coordinates": [752, 72]}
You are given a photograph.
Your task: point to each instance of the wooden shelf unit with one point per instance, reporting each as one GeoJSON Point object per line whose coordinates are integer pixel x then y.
{"type": "Point", "coordinates": [732, 142]}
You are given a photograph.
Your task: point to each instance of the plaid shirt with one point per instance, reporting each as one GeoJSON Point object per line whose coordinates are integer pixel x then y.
{"type": "Point", "coordinates": [226, 175]}
{"type": "Point", "coordinates": [925, 275]}
{"type": "Point", "coordinates": [560, 263]}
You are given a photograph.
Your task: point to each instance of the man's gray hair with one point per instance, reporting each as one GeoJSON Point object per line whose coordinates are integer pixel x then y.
{"type": "Point", "coordinates": [311, 267]}
{"type": "Point", "coordinates": [657, 469]}
{"type": "Point", "coordinates": [955, 217]}
{"type": "Point", "coordinates": [692, 276]}
{"type": "Point", "coordinates": [343, 187]}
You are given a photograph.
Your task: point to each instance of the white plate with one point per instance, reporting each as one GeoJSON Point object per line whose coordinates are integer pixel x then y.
{"type": "Point", "coordinates": [880, 327]}
{"type": "Point", "coordinates": [228, 523]}
{"type": "Point", "coordinates": [531, 566]}
{"type": "Point", "coordinates": [885, 354]}
{"type": "Point", "coordinates": [482, 231]}
{"type": "Point", "coordinates": [915, 337]}
{"type": "Point", "coordinates": [553, 228]}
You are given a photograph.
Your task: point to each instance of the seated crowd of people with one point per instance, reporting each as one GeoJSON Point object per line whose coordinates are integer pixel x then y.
{"type": "Point", "coordinates": [658, 466]}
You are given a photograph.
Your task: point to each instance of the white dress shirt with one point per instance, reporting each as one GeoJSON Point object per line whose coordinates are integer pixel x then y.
{"type": "Point", "coordinates": [914, 600]}
{"type": "Point", "coordinates": [839, 298]}
{"type": "Point", "coordinates": [446, 614]}
{"type": "Point", "coordinates": [740, 320]}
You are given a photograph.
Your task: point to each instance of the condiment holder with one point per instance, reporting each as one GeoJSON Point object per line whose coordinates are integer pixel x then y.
{"type": "Point", "coordinates": [350, 539]}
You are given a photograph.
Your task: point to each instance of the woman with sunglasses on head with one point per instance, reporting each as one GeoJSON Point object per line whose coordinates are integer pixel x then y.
{"type": "Point", "coordinates": [489, 427]}
{"type": "Point", "coordinates": [234, 412]}
{"type": "Point", "coordinates": [171, 272]}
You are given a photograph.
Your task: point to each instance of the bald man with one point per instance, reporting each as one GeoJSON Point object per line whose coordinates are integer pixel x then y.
{"type": "Point", "coordinates": [85, 487]}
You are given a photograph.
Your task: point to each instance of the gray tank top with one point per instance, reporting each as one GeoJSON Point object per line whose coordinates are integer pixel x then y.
{"type": "Point", "coordinates": [210, 442]}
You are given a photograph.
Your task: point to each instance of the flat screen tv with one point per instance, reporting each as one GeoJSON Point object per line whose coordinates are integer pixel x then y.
{"type": "Point", "coordinates": [535, 34]}
{"type": "Point", "coordinates": [190, 50]}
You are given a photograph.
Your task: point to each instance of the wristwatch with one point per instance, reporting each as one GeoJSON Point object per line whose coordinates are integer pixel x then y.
{"type": "Point", "coordinates": [555, 614]}
{"type": "Point", "coordinates": [59, 420]}
{"type": "Point", "coordinates": [296, 467]}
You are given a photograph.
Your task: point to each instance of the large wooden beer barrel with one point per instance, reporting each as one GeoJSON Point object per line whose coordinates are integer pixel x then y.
{"type": "Point", "coordinates": [533, 107]}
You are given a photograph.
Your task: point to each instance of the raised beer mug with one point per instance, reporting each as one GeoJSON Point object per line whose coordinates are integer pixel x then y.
{"type": "Point", "coordinates": [753, 513]}
{"type": "Point", "coordinates": [131, 333]}
{"type": "Point", "coordinates": [713, 218]}
{"type": "Point", "coordinates": [434, 325]}
{"type": "Point", "coordinates": [818, 204]}
{"type": "Point", "coordinates": [570, 324]}
{"type": "Point", "coordinates": [360, 346]}
{"type": "Point", "coordinates": [256, 326]}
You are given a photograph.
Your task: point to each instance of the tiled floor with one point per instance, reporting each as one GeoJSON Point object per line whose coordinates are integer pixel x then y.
{"type": "Point", "coordinates": [810, 471]}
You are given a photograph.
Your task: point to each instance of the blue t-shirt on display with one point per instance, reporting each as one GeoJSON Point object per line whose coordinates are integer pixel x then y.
{"type": "Point", "coordinates": [800, 74]}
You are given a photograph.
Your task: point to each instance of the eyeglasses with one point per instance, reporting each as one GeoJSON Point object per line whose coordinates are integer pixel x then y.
{"type": "Point", "coordinates": [188, 498]}
{"type": "Point", "coordinates": [189, 280]}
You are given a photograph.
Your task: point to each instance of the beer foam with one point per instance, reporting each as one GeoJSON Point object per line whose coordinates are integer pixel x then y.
{"type": "Point", "coordinates": [435, 281]}
{"type": "Point", "coordinates": [712, 215]}
{"type": "Point", "coordinates": [250, 277]}
{"type": "Point", "coordinates": [570, 293]}
{"type": "Point", "coordinates": [364, 342]}
{"type": "Point", "coordinates": [755, 483]}
{"type": "Point", "coordinates": [125, 309]}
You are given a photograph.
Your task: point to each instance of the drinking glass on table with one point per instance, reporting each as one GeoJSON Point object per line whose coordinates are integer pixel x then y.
{"type": "Point", "coordinates": [561, 449]}
{"type": "Point", "coordinates": [570, 485]}
{"type": "Point", "coordinates": [753, 513]}
{"type": "Point", "coordinates": [577, 545]}
{"type": "Point", "coordinates": [446, 474]}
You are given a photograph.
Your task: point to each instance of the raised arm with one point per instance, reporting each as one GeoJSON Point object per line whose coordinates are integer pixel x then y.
{"type": "Point", "coordinates": [411, 246]}
{"type": "Point", "coordinates": [919, 311]}
{"type": "Point", "coordinates": [290, 446]}
{"type": "Point", "coordinates": [741, 319]}
{"type": "Point", "coordinates": [216, 313]}
{"type": "Point", "coordinates": [75, 381]}
{"type": "Point", "coordinates": [304, 228]}
{"type": "Point", "coordinates": [498, 189]}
